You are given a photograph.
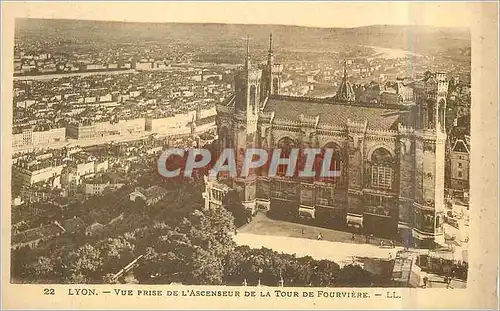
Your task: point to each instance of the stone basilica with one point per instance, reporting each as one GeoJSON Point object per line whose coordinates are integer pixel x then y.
{"type": "Point", "coordinates": [391, 157]}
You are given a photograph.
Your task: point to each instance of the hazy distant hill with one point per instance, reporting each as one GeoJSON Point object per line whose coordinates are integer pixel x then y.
{"type": "Point", "coordinates": [420, 39]}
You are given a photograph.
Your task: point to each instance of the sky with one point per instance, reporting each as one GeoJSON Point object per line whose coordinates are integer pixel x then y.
{"type": "Point", "coordinates": [317, 14]}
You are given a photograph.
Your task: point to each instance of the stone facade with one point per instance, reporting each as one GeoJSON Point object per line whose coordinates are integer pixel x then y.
{"type": "Point", "coordinates": [391, 157]}
{"type": "Point", "coordinates": [460, 158]}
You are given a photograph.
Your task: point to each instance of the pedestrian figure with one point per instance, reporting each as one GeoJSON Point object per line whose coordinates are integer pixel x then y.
{"type": "Point", "coordinates": [392, 244]}
{"type": "Point", "coordinates": [353, 237]}
{"type": "Point", "coordinates": [381, 243]}
{"type": "Point", "coordinates": [425, 281]}
{"type": "Point", "coordinates": [320, 237]}
{"type": "Point", "coordinates": [302, 231]}
{"type": "Point", "coordinates": [447, 281]}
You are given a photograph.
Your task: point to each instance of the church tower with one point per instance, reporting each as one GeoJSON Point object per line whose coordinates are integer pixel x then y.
{"type": "Point", "coordinates": [272, 73]}
{"type": "Point", "coordinates": [247, 102]}
{"type": "Point", "coordinates": [247, 87]}
{"type": "Point", "coordinates": [429, 206]}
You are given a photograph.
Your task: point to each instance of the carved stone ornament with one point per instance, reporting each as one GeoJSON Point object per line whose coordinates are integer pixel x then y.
{"type": "Point", "coordinates": [428, 146]}
{"type": "Point", "coordinates": [405, 147]}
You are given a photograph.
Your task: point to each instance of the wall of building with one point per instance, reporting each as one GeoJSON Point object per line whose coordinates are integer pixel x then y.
{"type": "Point", "coordinates": [50, 136]}
{"type": "Point", "coordinates": [101, 166]}
{"type": "Point", "coordinates": [459, 170]}
{"type": "Point", "coordinates": [175, 125]}
{"type": "Point", "coordinates": [131, 126]}
{"type": "Point", "coordinates": [144, 66]}
{"type": "Point", "coordinates": [22, 176]}
{"type": "Point", "coordinates": [38, 138]}
{"type": "Point", "coordinates": [204, 113]}
{"type": "Point", "coordinates": [77, 131]}
{"type": "Point", "coordinates": [95, 189]}
{"type": "Point", "coordinates": [85, 168]}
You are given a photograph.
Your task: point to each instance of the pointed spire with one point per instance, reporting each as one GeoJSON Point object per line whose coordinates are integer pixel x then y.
{"type": "Point", "coordinates": [345, 69]}
{"type": "Point", "coordinates": [248, 46]}
{"type": "Point", "coordinates": [247, 58]}
{"type": "Point", "coordinates": [270, 42]}
{"type": "Point", "coordinates": [270, 57]}
{"type": "Point", "coordinates": [345, 92]}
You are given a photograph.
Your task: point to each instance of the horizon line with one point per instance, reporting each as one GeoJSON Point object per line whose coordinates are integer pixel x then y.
{"type": "Point", "coordinates": [238, 24]}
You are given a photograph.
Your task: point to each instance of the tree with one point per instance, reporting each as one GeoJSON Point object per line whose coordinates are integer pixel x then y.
{"type": "Point", "coordinates": [326, 272]}
{"type": "Point", "coordinates": [354, 276]}
{"type": "Point", "coordinates": [207, 268]}
{"type": "Point", "coordinates": [43, 268]}
{"type": "Point", "coordinates": [270, 267]}
{"type": "Point", "coordinates": [109, 279]}
{"type": "Point", "coordinates": [19, 262]}
{"type": "Point", "coordinates": [116, 253]}
{"type": "Point", "coordinates": [130, 279]}
{"type": "Point", "coordinates": [190, 251]}
{"type": "Point", "coordinates": [147, 269]}
{"type": "Point", "coordinates": [78, 278]}
{"type": "Point", "coordinates": [83, 265]}
{"type": "Point", "coordinates": [232, 203]}
{"type": "Point", "coordinates": [235, 267]}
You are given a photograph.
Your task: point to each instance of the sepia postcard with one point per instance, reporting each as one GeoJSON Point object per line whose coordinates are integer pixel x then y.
{"type": "Point", "coordinates": [249, 155]}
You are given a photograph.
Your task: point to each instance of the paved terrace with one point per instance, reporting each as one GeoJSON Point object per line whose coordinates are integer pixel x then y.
{"type": "Point", "coordinates": [339, 252]}
{"type": "Point", "coordinates": [291, 238]}
{"type": "Point", "coordinates": [288, 237]}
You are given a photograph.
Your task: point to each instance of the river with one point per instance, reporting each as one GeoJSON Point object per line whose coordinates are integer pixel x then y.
{"type": "Point", "coordinates": [73, 74]}
{"type": "Point", "coordinates": [390, 53]}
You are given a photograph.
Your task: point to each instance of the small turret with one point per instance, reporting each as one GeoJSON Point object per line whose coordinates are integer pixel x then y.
{"type": "Point", "coordinates": [272, 73]}
{"type": "Point", "coordinates": [247, 57]}
{"type": "Point", "coordinates": [345, 93]}
{"type": "Point", "coordinates": [270, 55]}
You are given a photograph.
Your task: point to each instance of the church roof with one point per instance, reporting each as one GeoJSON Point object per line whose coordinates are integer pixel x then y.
{"type": "Point", "coordinates": [462, 145]}
{"type": "Point", "coordinates": [335, 114]}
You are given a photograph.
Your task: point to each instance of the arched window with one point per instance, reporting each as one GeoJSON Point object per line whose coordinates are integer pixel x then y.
{"type": "Point", "coordinates": [441, 117]}
{"type": "Point", "coordinates": [381, 169]}
{"type": "Point", "coordinates": [438, 222]}
{"type": "Point", "coordinates": [285, 144]}
{"type": "Point", "coordinates": [224, 138]}
{"type": "Point", "coordinates": [428, 221]}
{"type": "Point", "coordinates": [302, 160]}
{"type": "Point", "coordinates": [336, 163]}
{"type": "Point", "coordinates": [276, 86]}
{"type": "Point", "coordinates": [252, 97]}
{"type": "Point", "coordinates": [431, 110]}
{"type": "Point", "coordinates": [325, 196]}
